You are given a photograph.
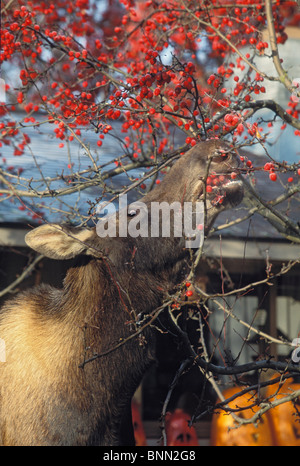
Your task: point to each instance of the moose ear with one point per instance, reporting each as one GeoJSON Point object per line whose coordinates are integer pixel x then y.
{"type": "Point", "coordinates": [58, 242]}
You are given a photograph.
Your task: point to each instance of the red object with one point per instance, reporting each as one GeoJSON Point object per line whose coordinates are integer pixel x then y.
{"type": "Point", "coordinates": [178, 431]}
{"type": "Point", "coordinates": [139, 433]}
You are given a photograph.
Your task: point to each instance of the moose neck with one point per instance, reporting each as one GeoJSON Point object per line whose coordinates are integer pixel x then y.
{"type": "Point", "coordinates": [104, 302]}
{"type": "Point", "coordinates": [100, 308]}
{"type": "Point", "coordinates": [95, 284]}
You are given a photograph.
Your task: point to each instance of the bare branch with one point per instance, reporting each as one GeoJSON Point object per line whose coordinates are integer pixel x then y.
{"type": "Point", "coordinates": [282, 74]}
{"type": "Point", "coordinates": [27, 271]}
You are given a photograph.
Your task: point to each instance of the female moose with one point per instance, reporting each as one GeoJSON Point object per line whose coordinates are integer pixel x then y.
{"type": "Point", "coordinates": [46, 396]}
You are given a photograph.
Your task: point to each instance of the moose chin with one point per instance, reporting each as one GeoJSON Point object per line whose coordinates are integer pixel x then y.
{"type": "Point", "coordinates": [47, 395]}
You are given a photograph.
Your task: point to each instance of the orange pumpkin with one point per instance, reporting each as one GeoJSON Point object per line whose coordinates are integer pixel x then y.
{"type": "Point", "coordinates": [178, 431]}
{"type": "Point", "coordinates": [138, 428]}
{"type": "Point", "coordinates": [284, 419]}
{"type": "Point", "coordinates": [224, 430]}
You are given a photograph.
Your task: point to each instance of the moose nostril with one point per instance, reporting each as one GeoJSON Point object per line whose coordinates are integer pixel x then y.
{"type": "Point", "coordinates": [131, 212]}
{"type": "Point", "coordinates": [220, 156]}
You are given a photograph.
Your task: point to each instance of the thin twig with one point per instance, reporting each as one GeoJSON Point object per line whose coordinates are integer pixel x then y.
{"type": "Point", "coordinates": [23, 275]}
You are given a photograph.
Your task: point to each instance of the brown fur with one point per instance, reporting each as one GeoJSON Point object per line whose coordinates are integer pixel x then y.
{"type": "Point", "coordinates": [46, 398]}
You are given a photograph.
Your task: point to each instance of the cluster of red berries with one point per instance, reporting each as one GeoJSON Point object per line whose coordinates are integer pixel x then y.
{"type": "Point", "coordinates": [270, 167]}
{"type": "Point", "coordinates": [189, 292]}
{"type": "Point", "coordinates": [214, 180]}
{"type": "Point", "coordinates": [151, 56]}
{"type": "Point", "coordinates": [147, 76]}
